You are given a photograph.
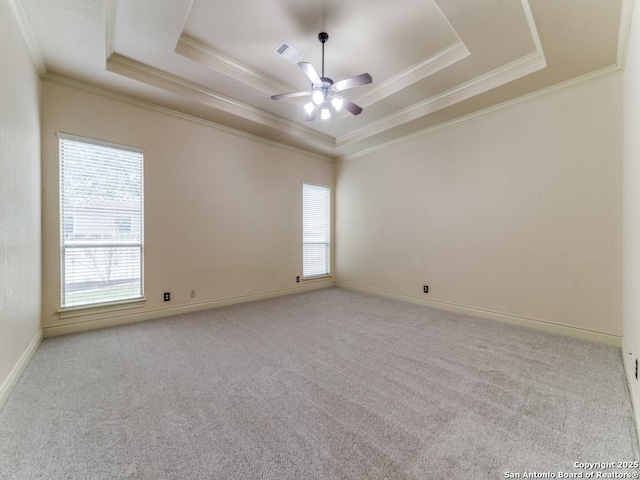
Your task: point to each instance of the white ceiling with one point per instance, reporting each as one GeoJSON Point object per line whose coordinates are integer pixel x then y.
{"type": "Point", "coordinates": [432, 61]}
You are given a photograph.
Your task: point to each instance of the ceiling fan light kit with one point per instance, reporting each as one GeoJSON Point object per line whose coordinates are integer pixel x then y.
{"type": "Point", "coordinates": [324, 92]}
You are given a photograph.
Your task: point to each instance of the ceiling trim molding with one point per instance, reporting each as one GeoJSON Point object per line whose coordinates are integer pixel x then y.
{"type": "Point", "coordinates": [624, 31]}
{"type": "Point", "coordinates": [135, 101]}
{"type": "Point", "coordinates": [533, 29]}
{"type": "Point", "coordinates": [511, 71]}
{"type": "Point", "coordinates": [187, 14]}
{"type": "Point", "coordinates": [442, 59]}
{"type": "Point", "coordinates": [109, 27]}
{"type": "Point", "coordinates": [203, 54]}
{"type": "Point", "coordinates": [507, 73]}
{"type": "Point", "coordinates": [574, 82]}
{"type": "Point", "coordinates": [171, 83]}
{"type": "Point", "coordinates": [20, 16]}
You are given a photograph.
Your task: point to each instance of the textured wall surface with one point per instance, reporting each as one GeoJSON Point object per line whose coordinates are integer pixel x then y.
{"type": "Point", "coordinates": [19, 197]}
{"type": "Point", "coordinates": [631, 293]}
{"type": "Point", "coordinates": [517, 212]}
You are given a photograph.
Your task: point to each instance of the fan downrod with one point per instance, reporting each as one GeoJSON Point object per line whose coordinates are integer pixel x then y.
{"type": "Point", "coordinates": [323, 37]}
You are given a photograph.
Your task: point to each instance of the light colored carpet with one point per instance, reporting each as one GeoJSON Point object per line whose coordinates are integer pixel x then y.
{"type": "Point", "coordinates": [331, 384]}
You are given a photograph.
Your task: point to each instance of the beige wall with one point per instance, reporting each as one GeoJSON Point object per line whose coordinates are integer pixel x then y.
{"type": "Point", "coordinates": [631, 240]}
{"type": "Point", "coordinates": [222, 213]}
{"type": "Point", "coordinates": [19, 202]}
{"type": "Point", "coordinates": [517, 212]}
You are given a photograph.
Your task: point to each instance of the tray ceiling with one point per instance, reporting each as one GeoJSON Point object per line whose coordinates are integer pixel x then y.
{"type": "Point", "coordinates": [432, 61]}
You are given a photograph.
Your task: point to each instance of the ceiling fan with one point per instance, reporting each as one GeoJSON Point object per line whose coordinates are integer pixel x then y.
{"type": "Point", "coordinates": [324, 92]}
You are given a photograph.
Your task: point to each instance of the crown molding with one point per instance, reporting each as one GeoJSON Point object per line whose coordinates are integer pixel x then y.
{"type": "Point", "coordinates": [191, 48]}
{"type": "Point", "coordinates": [203, 54]}
{"type": "Point", "coordinates": [511, 71]}
{"type": "Point", "coordinates": [442, 59]}
{"type": "Point", "coordinates": [151, 76]}
{"type": "Point", "coordinates": [138, 71]}
{"type": "Point", "coordinates": [533, 30]}
{"type": "Point", "coordinates": [624, 31]}
{"type": "Point", "coordinates": [131, 100]}
{"type": "Point", "coordinates": [589, 77]}
{"type": "Point", "coordinates": [130, 68]}
{"type": "Point", "coordinates": [507, 73]}
{"type": "Point", "coordinates": [109, 26]}
{"type": "Point", "coordinates": [20, 16]}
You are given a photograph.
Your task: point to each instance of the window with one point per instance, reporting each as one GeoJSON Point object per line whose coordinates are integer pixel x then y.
{"type": "Point", "coordinates": [101, 224]}
{"type": "Point", "coordinates": [316, 229]}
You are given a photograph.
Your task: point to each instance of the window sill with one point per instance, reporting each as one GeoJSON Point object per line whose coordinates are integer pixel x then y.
{"type": "Point", "coordinates": [84, 310]}
{"type": "Point", "coordinates": [317, 277]}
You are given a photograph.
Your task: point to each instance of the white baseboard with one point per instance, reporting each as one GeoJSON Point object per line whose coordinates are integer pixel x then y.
{"type": "Point", "coordinates": [501, 317]}
{"type": "Point", "coordinates": [634, 388]}
{"type": "Point", "coordinates": [124, 317]}
{"type": "Point", "coordinates": [18, 369]}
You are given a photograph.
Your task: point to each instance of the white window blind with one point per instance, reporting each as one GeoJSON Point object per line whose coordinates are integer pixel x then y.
{"type": "Point", "coordinates": [316, 229]}
{"type": "Point", "coordinates": [101, 227]}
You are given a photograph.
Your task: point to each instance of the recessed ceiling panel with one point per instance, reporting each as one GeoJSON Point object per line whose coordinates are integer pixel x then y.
{"type": "Point", "coordinates": [378, 36]}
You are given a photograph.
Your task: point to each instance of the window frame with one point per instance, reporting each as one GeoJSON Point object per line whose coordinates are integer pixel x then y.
{"type": "Point", "coordinates": [329, 242]}
{"type": "Point", "coordinates": [133, 300]}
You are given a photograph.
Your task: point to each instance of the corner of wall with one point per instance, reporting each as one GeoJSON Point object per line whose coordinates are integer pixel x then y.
{"type": "Point", "coordinates": [631, 205]}
{"type": "Point", "coordinates": [632, 382]}
{"type": "Point", "coordinates": [14, 376]}
{"type": "Point", "coordinates": [20, 198]}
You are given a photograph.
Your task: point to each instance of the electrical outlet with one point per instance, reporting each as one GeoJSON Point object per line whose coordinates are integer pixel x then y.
{"type": "Point", "coordinates": [193, 294]}
{"type": "Point", "coordinates": [298, 279]}
{"type": "Point", "coordinates": [425, 288]}
{"type": "Point", "coordinates": [167, 296]}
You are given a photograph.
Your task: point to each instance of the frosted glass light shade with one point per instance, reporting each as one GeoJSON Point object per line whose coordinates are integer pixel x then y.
{"type": "Point", "coordinates": [317, 97]}
{"type": "Point", "coordinates": [309, 108]}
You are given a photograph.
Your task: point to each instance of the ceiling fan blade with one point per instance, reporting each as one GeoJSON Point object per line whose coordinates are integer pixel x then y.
{"type": "Point", "coordinates": [351, 107]}
{"type": "Point", "coordinates": [290, 95]}
{"type": "Point", "coordinates": [310, 72]}
{"type": "Point", "coordinates": [313, 115]}
{"type": "Point", "coordinates": [362, 79]}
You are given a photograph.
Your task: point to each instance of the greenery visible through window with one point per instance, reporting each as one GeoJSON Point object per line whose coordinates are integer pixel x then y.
{"type": "Point", "coordinates": [101, 199]}
{"type": "Point", "coordinates": [316, 229]}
